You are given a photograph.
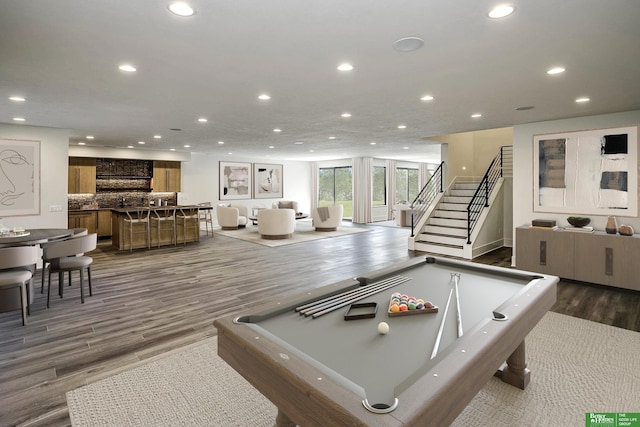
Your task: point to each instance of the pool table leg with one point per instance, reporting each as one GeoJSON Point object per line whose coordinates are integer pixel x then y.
{"type": "Point", "coordinates": [282, 420]}
{"type": "Point", "coordinates": [515, 371]}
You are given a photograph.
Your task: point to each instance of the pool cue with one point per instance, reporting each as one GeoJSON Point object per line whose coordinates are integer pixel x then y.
{"type": "Point", "coordinates": [349, 301]}
{"type": "Point", "coordinates": [456, 279]}
{"type": "Point", "coordinates": [355, 291]}
{"type": "Point", "coordinates": [444, 317]}
{"type": "Point", "coordinates": [341, 302]}
{"type": "Point", "coordinates": [351, 296]}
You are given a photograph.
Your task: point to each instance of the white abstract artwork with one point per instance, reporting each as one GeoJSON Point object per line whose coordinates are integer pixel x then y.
{"type": "Point", "coordinates": [590, 172]}
{"type": "Point", "coordinates": [19, 177]}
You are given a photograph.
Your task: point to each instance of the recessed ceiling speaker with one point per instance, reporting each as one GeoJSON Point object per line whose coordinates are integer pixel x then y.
{"type": "Point", "coordinates": [408, 44]}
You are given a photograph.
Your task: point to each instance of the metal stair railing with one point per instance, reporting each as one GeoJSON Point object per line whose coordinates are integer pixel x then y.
{"type": "Point", "coordinates": [423, 200]}
{"type": "Point", "coordinates": [480, 199]}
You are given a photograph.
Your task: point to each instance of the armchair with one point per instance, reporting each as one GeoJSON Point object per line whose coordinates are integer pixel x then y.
{"type": "Point", "coordinates": [286, 204]}
{"type": "Point", "coordinates": [232, 217]}
{"type": "Point", "coordinates": [276, 223]}
{"type": "Point", "coordinates": [327, 218]}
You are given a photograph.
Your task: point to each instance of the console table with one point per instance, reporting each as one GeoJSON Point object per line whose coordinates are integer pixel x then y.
{"type": "Point", "coordinates": [597, 257]}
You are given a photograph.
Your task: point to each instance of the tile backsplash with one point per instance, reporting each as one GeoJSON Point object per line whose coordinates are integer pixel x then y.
{"type": "Point", "coordinates": [115, 199]}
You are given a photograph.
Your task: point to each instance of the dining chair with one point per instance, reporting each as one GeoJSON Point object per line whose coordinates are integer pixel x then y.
{"type": "Point", "coordinates": [206, 216]}
{"type": "Point", "coordinates": [137, 222]}
{"type": "Point", "coordinates": [15, 273]}
{"type": "Point", "coordinates": [76, 233]}
{"type": "Point", "coordinates": [63, 257]}
{"type": "Point", "coordinates": [188, 218]}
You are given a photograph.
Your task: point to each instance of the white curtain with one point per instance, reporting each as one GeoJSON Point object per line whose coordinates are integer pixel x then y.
{"type": "Point", "coordinates": [391, 187]}
{"type": "Point", "coordinates": [315, 171]}
{"type": "Point", "coordinates": [362, 189]}
{"type": "Point", "coordinates": [424, 174]}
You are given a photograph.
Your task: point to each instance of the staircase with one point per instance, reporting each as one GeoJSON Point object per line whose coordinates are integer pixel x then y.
{"type": "Point", "coordinates": [445, 232]}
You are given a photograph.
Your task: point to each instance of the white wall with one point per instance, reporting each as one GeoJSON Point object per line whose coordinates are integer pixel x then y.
{"type": "Point", "coordinates": [523, 165]}
{"type": "Point", "coordinates": [54, 148]}
{"type": "Point", "coordinates": [200, 181]}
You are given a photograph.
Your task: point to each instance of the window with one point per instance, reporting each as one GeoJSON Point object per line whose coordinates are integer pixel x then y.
{"type": "Point", "coordinates": [336, 188]}
{"type": "Point", "coordinates": [379, 186]}
{"type": "Point", "coordinates": [406, 184]}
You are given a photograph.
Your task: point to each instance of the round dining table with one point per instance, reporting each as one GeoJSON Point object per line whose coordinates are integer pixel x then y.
{"type": "Point", "coordinates": [35, 236]}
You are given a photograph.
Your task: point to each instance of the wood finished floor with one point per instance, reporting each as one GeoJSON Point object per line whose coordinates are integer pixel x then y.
{"type": "Point", "coordinates": [147, 303]}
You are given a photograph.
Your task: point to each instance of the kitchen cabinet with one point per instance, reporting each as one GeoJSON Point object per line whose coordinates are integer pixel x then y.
{"type": "Point", "coordinates": [166, 176]}
{"type": "Point", "coordinates": [88, 220]}
{"type": "Point", "coordinates": [104, 223]}
{"type": "Point", "coordinates": [82, 175]}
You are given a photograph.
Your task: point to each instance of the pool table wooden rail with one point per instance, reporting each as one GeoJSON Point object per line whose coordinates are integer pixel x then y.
{"type": "Point", "coordinates": [435, 399]}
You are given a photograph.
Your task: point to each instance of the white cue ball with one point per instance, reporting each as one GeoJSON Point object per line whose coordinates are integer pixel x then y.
{"type": "Point", "coordinates": [383, 328]}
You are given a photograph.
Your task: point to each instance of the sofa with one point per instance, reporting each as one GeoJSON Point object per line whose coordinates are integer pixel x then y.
{"type": "Point", "coordinates": [286, 204]}
{"type": "Point", "coordinates": [327, 218]}
{"type": "Point", "coordinates": [232, 217]}
{"type": "Point", "coordinates": [276, 223]}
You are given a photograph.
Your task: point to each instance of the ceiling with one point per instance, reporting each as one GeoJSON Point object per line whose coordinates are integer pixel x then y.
{"type": "Point", "coordinates": [63, 57]}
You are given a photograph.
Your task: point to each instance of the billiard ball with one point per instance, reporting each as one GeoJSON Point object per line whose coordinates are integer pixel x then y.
{"type": "Point", "coordinates": [383, 328]}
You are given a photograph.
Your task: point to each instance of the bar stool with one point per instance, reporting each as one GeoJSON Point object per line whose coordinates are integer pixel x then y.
{"type": "Point", "coordinates": [164, 219]}
{"type": "Point", "coordinates": [206, 217]}
{"type": "Point", "coordinates": [137, 224]}
{"type": "Point", "coordinates": [189, 219]}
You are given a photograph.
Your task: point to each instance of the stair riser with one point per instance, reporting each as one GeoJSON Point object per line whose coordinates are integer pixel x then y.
{"type": "Point", "coordinates": [445, 231]}
{"type": "Point", "coordinates": [442, 250]}
{"type": "Point", "coordinates": [445, 240]}
{"type": "Point", "coordinates": [458, 200]}
{"type": "Point", "coordinates": [462, 193]}
{"type": "Point", "coordinates": [459, 207]}
{"type": "Point", "coordinates": [451, 214]}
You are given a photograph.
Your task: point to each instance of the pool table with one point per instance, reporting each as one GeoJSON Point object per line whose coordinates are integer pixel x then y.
{"type": "Point", "coordinates": [328, 370]}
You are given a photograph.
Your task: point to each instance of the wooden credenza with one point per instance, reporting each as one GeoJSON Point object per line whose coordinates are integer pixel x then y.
{"type": "Point", "coordinates": [598, 257]}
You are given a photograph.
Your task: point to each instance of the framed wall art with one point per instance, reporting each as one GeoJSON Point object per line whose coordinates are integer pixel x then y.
{"type": "Point", "coordinates": [235, 181]}
{"type": "Point", "coordinates": [587, 172]}
{"type": "Point", "coordinates": [19, 177]}
{"type": "Point", "coordinates": [267, 181]}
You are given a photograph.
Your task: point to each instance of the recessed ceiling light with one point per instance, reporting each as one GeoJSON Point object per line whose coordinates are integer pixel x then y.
{"type": "Point", "coordinates": [332, 137]}
{"type": "Point", "coordinates": [181, 8]}
{"type": "Point", "coordinates": [19, 119]}
{"type": "Point", "coordinates": [372, 143]}
{"type": "Point", "coordinates": [220, 142]}
{"type": "Point", "coordinates": [408, 44]}
{"type": "Point", "coordinates": [127, 68]}
{"type": "Point", "coordinates": [311, 151]}
{"type": "Point", "coordinates": [129, 146]}
{"type": "Point", "coordinates": [277, 130]}
{"type": "Point", "coordinates": [89, 136]}
{"type": "Point", "coordinates": [157, 136]}
{"type": "Point", "coordinates": [271, 146]}
{"type": "Point", "coordinates": [229, 152]}
{"type": "Point", "coordinates": [346, 115]}
{"type": "Point", "coordinates": [186, 146]}
{"type": "Point", "coordinates": [476, 115]}
{"type": "Point", "coordinates": [501, 11]}
{"type": "Point", "coordinates": [141, 142]}
{"type": "Point", "coordinates": [556, 70]}
{"type": "Point", "coordinates": [405, 148]}
{"type": "Point", "coordinates": [345, 67]}
{"type": "Point", "coordinates": [298, 143]}
{"type": "Point", "coordinates": [427, 98]}
{"type": "Point", "coordinates": [203, 120]}
{"type": "Point", "coordinates": [82, 143]}
{"type": "Point", "coordinates": [583, 99]}
{"type": "Point", "coordinates": [402, 126]}
{"type": "Point", "coordinates": [264, 97]}
{"type": "Point", "coordinates": [172, 149]}
{"type": "Point", "coordinates": [17, 98]}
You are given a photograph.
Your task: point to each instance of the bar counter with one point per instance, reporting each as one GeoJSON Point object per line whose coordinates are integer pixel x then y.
{"type": "Point", "coordinates": [185, 232]}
